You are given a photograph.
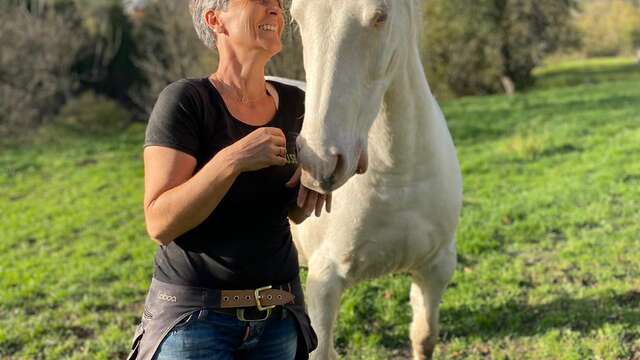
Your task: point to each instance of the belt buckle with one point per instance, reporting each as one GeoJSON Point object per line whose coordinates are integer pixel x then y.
{"type": "Point", "coordinates": [240, 315]}
{"type": "Point", "coordinates": [240, 312]}
{"type": "Point", "coordinates": [258, 297]}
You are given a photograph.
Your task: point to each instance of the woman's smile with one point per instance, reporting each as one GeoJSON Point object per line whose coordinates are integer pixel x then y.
{"type": "Point", "coordinates": [268, 27]}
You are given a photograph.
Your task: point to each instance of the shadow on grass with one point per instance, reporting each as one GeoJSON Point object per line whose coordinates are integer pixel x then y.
{"type": "Point", "coordinates": [521, 319]}
{"type": "Point", "coordinates": [580, 76]}
{"type": "Point", "coordinates": [489, 125]}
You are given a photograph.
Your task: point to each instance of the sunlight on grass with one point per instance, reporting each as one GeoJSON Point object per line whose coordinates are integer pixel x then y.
{"type": "Point", "coordinates": [548, 239]}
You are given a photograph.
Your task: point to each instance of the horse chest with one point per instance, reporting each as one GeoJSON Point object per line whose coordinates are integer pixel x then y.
{"type": "Point", "coordinates": [395, 231]}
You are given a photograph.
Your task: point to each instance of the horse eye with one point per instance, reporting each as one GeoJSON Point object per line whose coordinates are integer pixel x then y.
{"type": "Point", "coordinates": [380, 18]}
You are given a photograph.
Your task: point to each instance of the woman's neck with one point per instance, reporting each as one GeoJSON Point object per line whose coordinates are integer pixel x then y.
{"type": "Point", "coordinates": [244, 74]}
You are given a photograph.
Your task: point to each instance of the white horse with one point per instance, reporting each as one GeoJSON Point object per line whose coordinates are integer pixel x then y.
{"type": "Point", "coordinates": [368, 104]}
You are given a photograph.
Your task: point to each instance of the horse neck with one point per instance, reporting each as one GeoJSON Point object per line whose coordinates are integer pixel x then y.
{"type": "Point", "coordinates": [409, 113]}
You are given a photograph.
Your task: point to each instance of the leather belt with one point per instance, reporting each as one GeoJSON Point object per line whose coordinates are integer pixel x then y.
{"type": "Point", "coordinates": [257, 302]}
{"type": "Point", "coordinates": [263, 298]}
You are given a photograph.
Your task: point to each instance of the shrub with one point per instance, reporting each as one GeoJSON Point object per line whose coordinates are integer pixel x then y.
{"type": "Point", "coordinates": [92, 114]}
{"type": "Point", "coordinates": [484, 46]}
{"type": "Point", "coordinates": [608, 27]}
{"type": "Point", "coordinates": [168, 50]}
{"type": "Point", "coordinates": [35, 76]}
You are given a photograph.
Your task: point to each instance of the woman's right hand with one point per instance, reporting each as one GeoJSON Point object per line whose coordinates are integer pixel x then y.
{"type": "Point", "coordinates": [262, 148]}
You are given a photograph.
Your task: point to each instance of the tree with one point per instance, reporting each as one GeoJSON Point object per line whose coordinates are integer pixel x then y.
{"type": "Point", "coordinates": [105, 64]}
{"type": "Point", "coordinates": [168, 50]}
{"type": "Point", "coordinates": [485, 46]}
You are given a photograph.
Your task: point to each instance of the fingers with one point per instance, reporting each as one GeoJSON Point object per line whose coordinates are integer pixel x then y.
{"type": "Point", "coordinates": [277, 136]}
{"type": "Point", "coordinates": [274, 131]}
{"type": "Point", "coordinates": [279, 151]}
{"type": "Point", "coordinates": [277, 156]}
{"type": "Point", "coordinates": [278, 161]}
{"type": "Point", "coordinates": [310, 201]}
{"type": "Point", "coordinates": [279, 140]}
{"type": "Point", "coordinates": [302, 196]}
{"type": "Point", "coordinates": [310, 204]}
{"type": "Point", "coordinates": [319, 204]}
{"type": "Point", "coordinates": [269, 135]}
{"type": "Point", "coordinates": [295, 179]}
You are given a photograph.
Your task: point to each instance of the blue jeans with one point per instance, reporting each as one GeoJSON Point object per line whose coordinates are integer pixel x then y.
{"type": "Point", "coordinates": [214, 336]}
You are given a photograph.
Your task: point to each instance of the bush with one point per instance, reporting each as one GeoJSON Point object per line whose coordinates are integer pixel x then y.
{"type": "Point", "coordinates": [608, 27]}
{"type": "Point", "coordinates": [484, 46]}
{"type": "Point", "coordinates": [168, 50]}
{"type": "Point", "coordinates": [93, 114]}
{"type": "Point", "coordinates": [461, 57]}
{"type": "Point", "coordinates": [35, 76]}
{"type": "Point", "coordinates": [57, 49]}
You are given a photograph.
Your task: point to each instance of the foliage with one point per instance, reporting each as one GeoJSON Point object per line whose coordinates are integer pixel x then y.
{"type": "Point", "coordinates": [461, 56]}
{"type": "Point", "coordinates": [289, 62]}
{"type": "Point", "coordinates": [105, 64]}
{"type": "Point", "coordinates": [95, 46]}
{"type": "Point", "coordinates": [69, 46]}
{"type": "Point", "coordinates": [168, 50]}
{"type": "Point", "coordinates": [484, 46]}
{"type": "Point", "coordinates": [548, 239]}
{"type": "Point", "coordinates": [35, 71]}
{"type": "Point", "coordinates": [93, 115]}
{"type": "Point", "coordinates": [609, 27]}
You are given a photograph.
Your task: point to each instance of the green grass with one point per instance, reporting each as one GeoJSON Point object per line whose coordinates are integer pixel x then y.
{"type": "Point", "coordinates": [549, 240]}
{"type": "Point", "coordinates": [585, 72]}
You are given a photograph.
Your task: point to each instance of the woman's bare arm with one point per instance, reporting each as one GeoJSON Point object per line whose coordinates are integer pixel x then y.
{"type": "Point", "coordinates": [176, 200]}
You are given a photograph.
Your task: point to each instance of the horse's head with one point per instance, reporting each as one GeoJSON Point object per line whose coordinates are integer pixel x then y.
{"type": "Point", "coordinates": [351, 51]}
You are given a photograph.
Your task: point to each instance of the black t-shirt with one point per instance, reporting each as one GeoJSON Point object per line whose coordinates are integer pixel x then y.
{"type": "Point", "coordinates": [246, 241]}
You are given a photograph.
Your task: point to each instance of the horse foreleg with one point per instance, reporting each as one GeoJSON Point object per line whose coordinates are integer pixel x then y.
{"type": "Point", "coordinates": [324, 289]}
{"type": "Point", "coordinates": [429, 283]}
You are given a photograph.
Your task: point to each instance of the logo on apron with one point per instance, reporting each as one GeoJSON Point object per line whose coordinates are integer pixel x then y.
{"type": "Point", "coordinates": [166, 297]}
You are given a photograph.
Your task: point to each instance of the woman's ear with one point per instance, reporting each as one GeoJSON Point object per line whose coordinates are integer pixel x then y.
{"type": "Point", "coordinates": [212, 19]}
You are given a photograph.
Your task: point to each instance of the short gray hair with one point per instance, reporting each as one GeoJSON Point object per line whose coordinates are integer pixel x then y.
{"type": "Point", "coordinates": [198, 8]}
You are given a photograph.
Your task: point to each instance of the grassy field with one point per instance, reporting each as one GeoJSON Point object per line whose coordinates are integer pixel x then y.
{"type": "Point", "coordinates": [549, 240]}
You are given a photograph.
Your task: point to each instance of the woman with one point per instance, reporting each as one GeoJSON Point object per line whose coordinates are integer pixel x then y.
{"type": "Point", "coordinates": [219, 193]}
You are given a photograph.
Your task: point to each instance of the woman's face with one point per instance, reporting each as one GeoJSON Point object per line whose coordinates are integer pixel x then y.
{"type": "Point", "coordinates": [254, 24]}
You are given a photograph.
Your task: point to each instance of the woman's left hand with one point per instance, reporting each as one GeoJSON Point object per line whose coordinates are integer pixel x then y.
{"type": "Point", "coordinates": [308, 199]}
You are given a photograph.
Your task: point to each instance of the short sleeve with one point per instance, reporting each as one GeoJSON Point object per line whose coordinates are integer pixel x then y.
{"type": "Point", "coordinates": [174, 119]}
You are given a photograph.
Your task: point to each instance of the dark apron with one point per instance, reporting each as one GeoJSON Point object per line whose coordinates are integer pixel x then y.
{"type": "Point", "coordinates": [167, 305]}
